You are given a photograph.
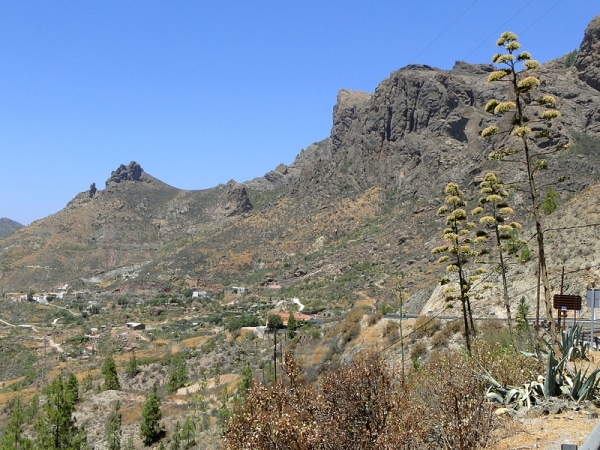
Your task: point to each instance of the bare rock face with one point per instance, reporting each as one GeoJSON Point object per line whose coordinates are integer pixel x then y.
{"type": "Point", "coordinates": [238, 201]}
{"type": "Point", "coordinates": [587, 61]}
{"type": "Point", "coordinates": [131, 172]}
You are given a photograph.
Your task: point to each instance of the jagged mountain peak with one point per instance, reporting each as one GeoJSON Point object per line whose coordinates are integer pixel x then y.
{"type": "Point", "coordinates": [130, 172]}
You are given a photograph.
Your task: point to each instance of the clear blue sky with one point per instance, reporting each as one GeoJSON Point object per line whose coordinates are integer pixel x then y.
{"type": "Point", "coordinates": [202, 92]}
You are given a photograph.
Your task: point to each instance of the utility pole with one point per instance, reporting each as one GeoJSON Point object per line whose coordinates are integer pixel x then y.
{"type": "Point", "coordinates": [399, 294]}
{"type": "Point", "coordinates": [537, 306]}
{"type": "Point", "coordinates": [275, 354]}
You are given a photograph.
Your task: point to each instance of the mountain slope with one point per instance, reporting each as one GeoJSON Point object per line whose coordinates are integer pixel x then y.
{"type": "Point", "coordinates": [351, 215]}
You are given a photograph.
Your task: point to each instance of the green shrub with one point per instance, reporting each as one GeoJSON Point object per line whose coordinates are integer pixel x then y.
{"type": "Point", "coordinates": [569, 58]}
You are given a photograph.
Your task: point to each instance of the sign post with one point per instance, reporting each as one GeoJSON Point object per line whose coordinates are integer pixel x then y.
{"type": "Point", "coordinates": [593, 302]}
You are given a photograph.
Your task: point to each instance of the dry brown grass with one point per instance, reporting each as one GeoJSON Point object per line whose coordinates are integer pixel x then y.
{"type": "Point", "coordinates": [195, 341]}
{"type": "Point", "coordinates": [131, 414]}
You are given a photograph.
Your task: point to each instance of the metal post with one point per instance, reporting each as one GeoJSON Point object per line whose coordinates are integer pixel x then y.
{"type": "Point", "coordinates": [592, 330]}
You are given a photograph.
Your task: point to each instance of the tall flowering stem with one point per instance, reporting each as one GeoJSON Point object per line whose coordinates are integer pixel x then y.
{"type": "Point", "coordinates": [460, 237]}
{"type": "Point", "coordinates": [516, 68]}
{"type": "Point", "coordinates": [495, 212]}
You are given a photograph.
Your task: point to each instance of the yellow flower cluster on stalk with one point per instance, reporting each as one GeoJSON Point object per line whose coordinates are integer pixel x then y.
{"type": "Point", "coordinates": [495, 212]}
{"type": "Point", "coordinates": [461, 237]}
{"type": "Point", "coordinates": [522, 85]}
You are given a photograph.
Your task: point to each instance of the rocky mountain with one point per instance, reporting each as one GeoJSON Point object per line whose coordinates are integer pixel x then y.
{"type": "Point", "coordinates": [8, 226]}
{"type": "Point", "coordinates": [353, 213]}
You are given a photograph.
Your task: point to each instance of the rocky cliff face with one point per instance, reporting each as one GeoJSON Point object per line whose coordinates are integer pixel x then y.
{"type": "Point", "coordinates": [587, 61]}
{"type": "Point", "coordinates": [423, 124]}
{"type": "Point", "coordinates": [237, 199]}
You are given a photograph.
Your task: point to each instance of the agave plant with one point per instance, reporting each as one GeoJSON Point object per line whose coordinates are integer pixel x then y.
{"type": "Point", "coordinates": [581, 386]}
{"type": "Point", "coordinates": [572, 344]}
{"type": "Point", "coordinates": [575, 384]}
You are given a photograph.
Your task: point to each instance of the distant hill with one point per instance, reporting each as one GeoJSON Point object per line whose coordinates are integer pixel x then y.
{"type": "Point", "coordinates": [8, 226]}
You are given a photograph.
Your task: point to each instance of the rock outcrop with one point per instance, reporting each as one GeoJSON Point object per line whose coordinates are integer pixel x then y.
{"type": "Point", "coordinates": [238, 201]}
{"type": "Point", "coordinates": [130, 172]}
{"type": "Point", "coordinates": [587, 61]}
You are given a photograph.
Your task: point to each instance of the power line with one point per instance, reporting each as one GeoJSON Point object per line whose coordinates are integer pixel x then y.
{"type": "Point", "coordinates": [541, 17]}
{"type": "Point", "coordinates": [495, 33]}
{"type": "Point", "coordinates": [445, 29]}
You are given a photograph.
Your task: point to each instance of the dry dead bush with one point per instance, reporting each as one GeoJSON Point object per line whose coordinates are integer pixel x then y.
{"type": "Point", "coordinates": [391, 331]}
{"type": "Point", "coordinates": [373, 319]}
{"type": "Point", "coordinates": [349, 328]}
{"type": "Point", "coordinates": [456, 326]}
{"type": "Point", "coordinates": [418, 349]}
{"type": "Point", "coordinates": [458, 414]}
{"type": "Point", "coordinates": [441, 338]}
{"type": "Point", "coordinates": [426, 326]}
{"type": "Point", "coordinates": [361, 404]}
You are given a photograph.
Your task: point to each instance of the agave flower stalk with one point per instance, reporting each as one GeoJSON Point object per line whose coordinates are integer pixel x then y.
{"type": "Point", "coordinates": [516, 68]}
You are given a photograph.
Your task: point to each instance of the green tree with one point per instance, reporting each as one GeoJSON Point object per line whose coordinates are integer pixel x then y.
{"type": "Point", "coordinates": [460, 237]}
{"type": "Point", "coordinates": [129, 444]}
{"type": "Point", "coordinates": [522, 312]}
{"type": "Point", "coordinates": [549, 204]}
{"type": "Point", "coordinates": [151, 415]}
{"type": "Point", "coordinates": [176, 439]}
{"type": "Point", "coordinates": [32, 408]}
{"type": "Point", "coordinates": [224, 413]}
{"type": "Point", "coordinates": [518, 142]}
{"type": "Point", "coordinates": [73, 387]}
{"type": "Point", "coordinates": [525, 254]}
{"type": "Point", "coordinates": [246, 381]}
{"type": "Point", "coordinates": [132, 367]}
{"type": "Point", "coordinates": [187, 432]}
{"type": "Point", "coordinates": [177, 376]}
{"type": "Point", "coordinates": [113, 428]}
{"type": "Point", "coordinates": [496, 210]}
{"type": "Point", "coordinates": [199, 404]}
{"type": "Point", "coordinates": [56, 428]}
{"type": "Point", "coordinates": [13, 439]}
{"type": "Point", "coordinates": [87, 382]}
{"type": "Point", "coordinates": [569, 58]}
{"type": "Point", "coordinates": [109, 370]}
{"type": "Point", "coordinates": [217, 375]}
{"type": "Point", "coordinates": [274, 322]}
{"type": "Point", "coordinates": [291, 326]}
